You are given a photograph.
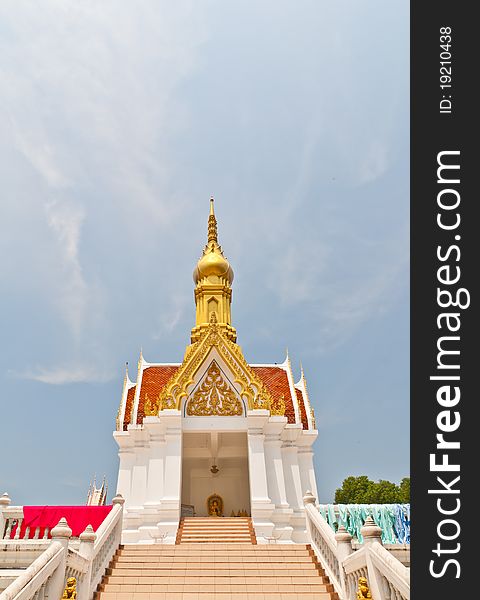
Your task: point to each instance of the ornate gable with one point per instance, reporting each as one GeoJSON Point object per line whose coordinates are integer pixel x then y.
{"type": "Point", "coordinates": [250, 387]}
{"type": "Point", "coordinates": [214, 396]}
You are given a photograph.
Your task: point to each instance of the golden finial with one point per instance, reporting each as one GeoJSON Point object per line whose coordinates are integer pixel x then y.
{"type": "Point", "coordinates": [212, 224]}
{"type": "Point", "coordinates": [213, 277]}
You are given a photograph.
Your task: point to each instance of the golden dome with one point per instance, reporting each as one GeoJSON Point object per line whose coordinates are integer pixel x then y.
{"type": "Point", "coordinates": [212, 261]}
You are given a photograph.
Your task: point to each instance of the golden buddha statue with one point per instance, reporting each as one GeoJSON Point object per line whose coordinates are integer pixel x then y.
{"type": "Point", "coordinates": [215, 506]}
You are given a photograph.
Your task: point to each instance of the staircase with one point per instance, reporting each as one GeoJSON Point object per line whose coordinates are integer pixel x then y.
{"type": "Point", "coordinates": [213, 571]}
{"type": "Point", "coordinates": [214, 530]}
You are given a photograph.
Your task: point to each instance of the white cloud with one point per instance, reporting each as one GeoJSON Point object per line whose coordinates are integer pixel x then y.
{"type": "Point", "coordinates": [65, 220]}
{"type": "Point", "coordinates": [66, 374]}
{"type": "Point", "coordinates": [374, 162]}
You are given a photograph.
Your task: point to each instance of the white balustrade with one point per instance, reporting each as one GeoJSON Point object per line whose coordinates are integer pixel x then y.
{"type": "Point", "coordinates": [323, 543]}
{"type": "Point", "coordinates": [107, 542]}
{"type": "Point", "coordinates": [46, 575]}
{"type": "Point", "coordinates": [387, 577]}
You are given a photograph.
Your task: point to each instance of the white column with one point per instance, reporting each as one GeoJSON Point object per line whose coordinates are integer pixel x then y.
{"type": "Point", "coordinates": [124, 483]}
{"type": "Point", "coordinates": [274, 468]}
{"type": "Point", "coordinates": [139, 477]}
{"type": "Point", "coordinates": [292, 475]}
{"type": "Point", "coordinates": [172, 477]}
{"type": "Point", "coordinates": [156, 475]}
{"type": "Point", "coordinates": [282, 514]}
{"type": "Point", "coordinates": [257, 467]}
{"type": "Point", "coordinates": [260, 503]}
{"type": "Point", "coordinates": [307, 471]}
{"type": "Point", "coordinates": [304, 443]}
{"type": "Point", "coordinates": [127, 459]}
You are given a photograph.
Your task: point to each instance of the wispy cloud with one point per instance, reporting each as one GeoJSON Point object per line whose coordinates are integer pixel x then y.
{"type": "Point", "coordinates": [65, 220]}
{"type": "Point", "coordinates": [172, 316]}
{"type": "Point", "coordinates": [374, 162]}
{"type": "Point", "coordinates": [66, 374]}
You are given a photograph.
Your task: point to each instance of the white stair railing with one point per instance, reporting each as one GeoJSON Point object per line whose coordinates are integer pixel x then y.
{"type": "Point", "coordinates": [323, 543]}
{"type": "Point", "coordinates": [107, 541]}
{"type": "Point", "coordinates": [46, 576]}
{"type": "Point", "coordinates": [386, 576]}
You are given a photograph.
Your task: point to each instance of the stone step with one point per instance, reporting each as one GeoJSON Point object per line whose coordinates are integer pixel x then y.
{"type": "Point", "coordinates": [221, 571]}
{"type": "Point", "coordinates": [213, 530]}
{"type": "Point", "coordinates": [225, 588]}
{"type": "Point", "coordinates": [199, 539]}
{"type": "Point", "coordinates": [214, 574]}
{"type": "Point", "coordinates": [208, 559]}
{"type": "Point", "coordinates": [216, 519]}
{"type": "Point", "coordinates": [215, 596]}
{"type": "Point", "coordinates": [246, 569]}
{"type": "Point", "coordinates": [214, 549]}
{"type": "Point", "coordinates": [205, 527]}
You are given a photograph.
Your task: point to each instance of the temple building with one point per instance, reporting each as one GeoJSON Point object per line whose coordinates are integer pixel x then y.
{"type": "Point", "coordinates": [214, 435]}
{"type": "Point", "coordinates": [216, 494]}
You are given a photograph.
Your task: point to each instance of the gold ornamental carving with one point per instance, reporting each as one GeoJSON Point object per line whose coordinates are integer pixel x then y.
{"type": "Point", "coordinates": [253, 389]}
{"type": "Point", "coordinates": [277, 406]}
{"type": "Point", "coordinates": [363, 589]}
{"type": "Point", "coordinates": [151, 406]}
{"type": "Point", "coordinates": [214, 397]}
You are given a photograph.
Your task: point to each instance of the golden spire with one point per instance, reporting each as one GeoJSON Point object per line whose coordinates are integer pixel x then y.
{"type": "Point", "coordinates": [212, 224]}
{"type": "Point", "coordinates": [213, 263]}
{"type": "Point", "coordinates": [213, 277]}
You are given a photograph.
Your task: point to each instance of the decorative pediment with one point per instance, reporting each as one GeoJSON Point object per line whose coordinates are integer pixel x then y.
{"type": "Point", "coordinates": [250, 387]}
{"type": "Point", "coordinates": [214, 396]}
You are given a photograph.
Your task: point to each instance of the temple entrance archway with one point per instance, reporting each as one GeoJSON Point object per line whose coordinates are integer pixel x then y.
{"type": "Point", "coordinates": [215, 463]}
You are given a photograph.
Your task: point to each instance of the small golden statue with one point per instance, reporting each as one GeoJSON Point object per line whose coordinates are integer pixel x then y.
{"type": "Point", "coordinates": [215, 506]}
{"type": "Point", "coordinates": [70, 589]}
{"type": "Point", "coordinates": [363, 589]}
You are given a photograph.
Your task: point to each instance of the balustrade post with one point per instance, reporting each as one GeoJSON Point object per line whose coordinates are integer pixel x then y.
{"type": "Point", "coordinates": [4, 504]}
{"type": "Point", "coordinates": [344, 549]}
{"type": "Point", "coordinates": [87, 540]}
{"type": "Point", "coordinates": [309, 498]}
{"type": "Point", "coordinates": [371, 533]}
{"type": "Point", "coordinates": [119, 500]}
{"type": "Point", "coordinates": [60, 533]}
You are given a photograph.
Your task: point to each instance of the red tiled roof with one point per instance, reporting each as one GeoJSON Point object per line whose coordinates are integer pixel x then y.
{"type": "Point", "coordinates": [276, 382]}
{"type": "Point", "coordinates": [129, 407]}
{"type": "Point", "coordinates": [154, 380]}
{"type": "Point", "coordinates": [301, 405]}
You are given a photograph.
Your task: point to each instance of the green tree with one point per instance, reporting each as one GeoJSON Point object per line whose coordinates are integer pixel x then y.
{"type": "Point", "coordinates": [405, 490]}
{"type": "Point", "coordinates": [354, 490]}
{"type": "Point", "coordinates": [362, 490]}
{"type": "Point", "coordinates": [385, 492]}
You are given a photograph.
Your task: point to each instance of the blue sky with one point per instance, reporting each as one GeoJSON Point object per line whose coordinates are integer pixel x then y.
{"type": "Point", "coordinates": [118, 121]}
